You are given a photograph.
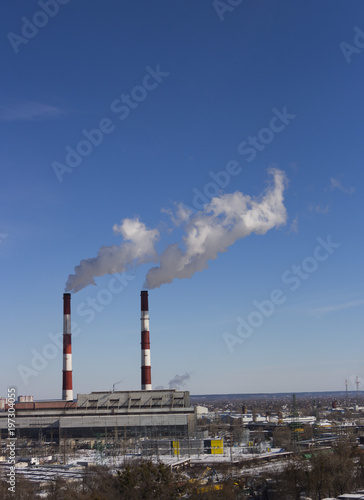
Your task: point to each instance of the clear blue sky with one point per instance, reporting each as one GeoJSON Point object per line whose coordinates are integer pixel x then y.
{"type": "Point", "coordinates": [179, 89]}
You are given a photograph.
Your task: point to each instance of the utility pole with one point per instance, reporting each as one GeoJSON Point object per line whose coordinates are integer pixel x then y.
{"type": "Point", "coordinates": [346, 389]}
{"type": "Point", "coordinates": [295, 422]}
{"type": "Point", "coordinates": [59, 438]}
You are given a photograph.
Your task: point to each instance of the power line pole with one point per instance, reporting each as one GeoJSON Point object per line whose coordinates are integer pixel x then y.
{"type": "Point", "coordinates": [357, 383]}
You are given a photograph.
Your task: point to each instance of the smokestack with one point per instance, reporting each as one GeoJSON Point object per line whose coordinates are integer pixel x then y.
{"type": "Point", "coordinates": [67, 392]}
{"type": "Point", "coordinates": [145, 343]}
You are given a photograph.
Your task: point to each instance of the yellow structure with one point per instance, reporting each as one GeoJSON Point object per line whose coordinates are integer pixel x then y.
{"type": "Point", "coordinates": [175, 447]}
{"type": "Point", "coordinates": [217, 446]}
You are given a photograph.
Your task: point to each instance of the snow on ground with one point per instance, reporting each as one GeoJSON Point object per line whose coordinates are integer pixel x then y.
{"type": "Point", "coordinates": [77, 464]}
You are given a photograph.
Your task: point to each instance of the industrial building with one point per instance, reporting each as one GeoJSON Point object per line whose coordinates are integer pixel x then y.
{"type": "Point", "coordinates": [121, 414]}
{"type": "Point", "coordinates": [164, 413]}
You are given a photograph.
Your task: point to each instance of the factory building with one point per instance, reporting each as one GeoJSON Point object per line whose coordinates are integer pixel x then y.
{"type": "Point", "coordinates": [126, 414]}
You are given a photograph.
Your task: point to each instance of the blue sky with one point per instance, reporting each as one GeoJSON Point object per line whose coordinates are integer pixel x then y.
{"type": "Point", "coordinates": [169, 92]}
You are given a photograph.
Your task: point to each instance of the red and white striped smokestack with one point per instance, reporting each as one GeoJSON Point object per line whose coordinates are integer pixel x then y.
{"type": "Point", "coordinates": [146, 368]}
{"type": "Point", "coordinates": [67, 391]}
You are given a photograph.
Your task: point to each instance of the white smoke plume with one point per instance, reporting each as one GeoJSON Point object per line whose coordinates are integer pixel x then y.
{"type": "Point", "coordinates": [221, 223]}
{"type": "Point", "coordinates": [137, 248]}
{"type": "Point", "coordinates": [179, 381]}
{"type": "Point", "coordinates": [180, 215]}
{"type": "Point", "coordinates": [211, 231]}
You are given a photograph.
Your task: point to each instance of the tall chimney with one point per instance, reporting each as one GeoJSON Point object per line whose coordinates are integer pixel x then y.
{"type": "Point", "coordinates": [67, 391]}
{"type": "Point", "coordinates": [145, 343]}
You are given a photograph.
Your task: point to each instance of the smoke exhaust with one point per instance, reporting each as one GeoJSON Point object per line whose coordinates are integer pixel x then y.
{"type": "Point", "coordinates": [67, 391]}
{"type": "Point", "coordinates": [145, 343]}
